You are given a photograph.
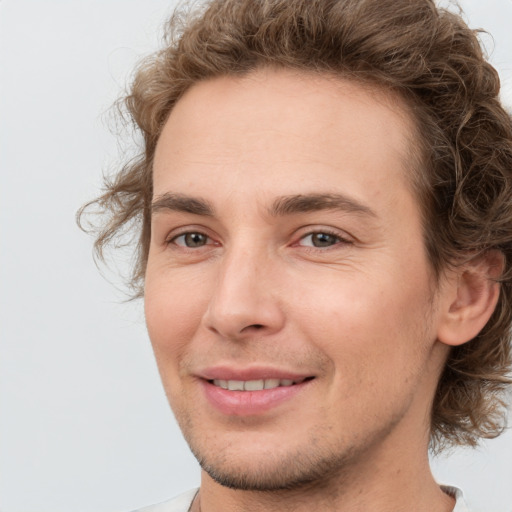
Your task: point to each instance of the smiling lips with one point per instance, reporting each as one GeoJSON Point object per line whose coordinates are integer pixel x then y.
{"type": "Point", "coordinates": [236, 397]}
{"type": "Point", "coordinates": [255, 385]}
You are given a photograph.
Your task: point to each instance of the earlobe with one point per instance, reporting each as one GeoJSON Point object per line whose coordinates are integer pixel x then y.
{"type": "Point", "coordinates": [469, 298]}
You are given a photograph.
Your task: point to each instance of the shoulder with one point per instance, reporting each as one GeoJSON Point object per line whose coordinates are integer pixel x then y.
{"type": "Point", "coordinates": [179, 504]}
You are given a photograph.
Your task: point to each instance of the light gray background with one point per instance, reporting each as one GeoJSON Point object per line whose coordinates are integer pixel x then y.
{"type": "Point", "coordinates": [84, 425]}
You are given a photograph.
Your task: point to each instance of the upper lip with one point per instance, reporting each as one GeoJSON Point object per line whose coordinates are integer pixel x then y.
{"type": "Point", "coordinates": [249, 373]}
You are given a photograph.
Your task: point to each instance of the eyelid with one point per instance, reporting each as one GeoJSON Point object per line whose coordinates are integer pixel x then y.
{"type": "Point", "coordinates": [174, 238]}
{"type": "Point", "coordinates": [306, 231]}
{"type": "Point", "coordinates": [184, 230]}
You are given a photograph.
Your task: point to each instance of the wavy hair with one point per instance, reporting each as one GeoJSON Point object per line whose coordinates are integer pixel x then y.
{"type": "Point", "coordinates": [429, 57]}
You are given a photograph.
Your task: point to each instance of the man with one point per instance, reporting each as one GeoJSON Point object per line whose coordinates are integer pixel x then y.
{"type": "Point", "coordinates": [325, 199]}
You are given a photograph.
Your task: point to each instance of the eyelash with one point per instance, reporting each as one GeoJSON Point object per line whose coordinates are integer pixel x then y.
{"type": "Point", "coordinates": [338, 240]}
{"type": "Point", "coordinates": [172, 240]}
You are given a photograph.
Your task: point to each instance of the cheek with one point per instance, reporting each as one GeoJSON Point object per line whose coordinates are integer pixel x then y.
{"type": "Point", "coordinates": [377, 346]}
{"type": "Point", "coordinates": [173, 314]}
{"type": "Point", "coordinates": [371, 326]}
{"type": "Point", "coordinates": [173, 311]}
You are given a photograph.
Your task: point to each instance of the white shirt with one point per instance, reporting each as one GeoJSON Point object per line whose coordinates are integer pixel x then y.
{"type": "Point", "coordinates": [182, 502]}
{"type": "Point", "coordinates": [454, 492]}
{"type": "Point", "coordinates": [179, 504]}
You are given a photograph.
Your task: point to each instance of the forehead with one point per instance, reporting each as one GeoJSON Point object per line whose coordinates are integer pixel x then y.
{"type": "Point", "coordinates": [283, 130]}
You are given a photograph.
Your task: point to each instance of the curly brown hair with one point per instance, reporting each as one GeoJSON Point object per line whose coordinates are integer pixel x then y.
{"type": "Point", "coordinates": [428, 56]}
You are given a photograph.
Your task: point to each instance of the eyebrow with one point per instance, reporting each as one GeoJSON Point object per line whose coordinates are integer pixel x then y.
{"type": "Point", "coordinates": [304, 203]}
{"type": "Point", "coordinates": [182, 203]}
{"type": "Point", "coordinates": [282, 206]}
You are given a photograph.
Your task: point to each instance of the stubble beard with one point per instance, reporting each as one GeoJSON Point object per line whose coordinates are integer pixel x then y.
{"type": "Point", "coordinates": [313, 464]}
{"type": "Point", "coordinates": [298, 471]}
{"type": "Point", "coordinates": [317, 463]}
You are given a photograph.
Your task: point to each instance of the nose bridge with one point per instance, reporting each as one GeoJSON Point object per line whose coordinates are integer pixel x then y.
{"type": "Point", "coordinates": [243, 298]}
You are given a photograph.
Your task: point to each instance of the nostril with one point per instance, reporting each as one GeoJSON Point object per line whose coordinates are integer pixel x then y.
{"type": "Point", "coordinates": [251, 328]}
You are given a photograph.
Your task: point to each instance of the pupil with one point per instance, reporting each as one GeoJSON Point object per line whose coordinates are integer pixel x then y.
{"type": "Point", "coordinates": [323, 239]}
{"type": "Point", "coordinates": [194, 239]}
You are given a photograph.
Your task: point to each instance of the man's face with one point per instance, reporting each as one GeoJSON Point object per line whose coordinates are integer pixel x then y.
{"type": "Point", "coordinates": [287, 253]}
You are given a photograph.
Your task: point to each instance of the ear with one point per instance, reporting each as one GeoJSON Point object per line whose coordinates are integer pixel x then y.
{"type": "Point", "coordinates": [468, 298]}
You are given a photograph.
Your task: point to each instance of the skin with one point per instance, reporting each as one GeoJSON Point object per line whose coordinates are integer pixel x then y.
{"type": "Point", "coordinates": [234, 280]}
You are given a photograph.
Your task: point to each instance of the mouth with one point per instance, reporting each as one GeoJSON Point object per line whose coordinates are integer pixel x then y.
{"type": "Point", "coordinates": [252, 396]}
{"type": "Point", "coordinates": [256, 385]}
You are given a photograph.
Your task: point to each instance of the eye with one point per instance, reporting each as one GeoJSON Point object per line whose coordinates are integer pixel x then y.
{"type": "Point", "coordinates": [320, 239]}
{"type": "Point", "coordinates": [191, 240]}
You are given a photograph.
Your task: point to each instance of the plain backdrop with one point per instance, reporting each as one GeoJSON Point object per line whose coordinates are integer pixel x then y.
{"type": "Point", "coordinates": [84, 424]}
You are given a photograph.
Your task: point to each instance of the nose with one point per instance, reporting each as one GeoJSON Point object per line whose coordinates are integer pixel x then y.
{"type": "Point", "coordinates": [246, 299]}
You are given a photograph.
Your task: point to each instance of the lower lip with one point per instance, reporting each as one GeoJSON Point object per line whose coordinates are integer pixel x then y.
{"type": "Point", "coordinates": [248, 403]}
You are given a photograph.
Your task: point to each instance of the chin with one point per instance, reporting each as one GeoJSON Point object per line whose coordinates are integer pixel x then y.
{"type": "Point", "coordinates": [267, 469]}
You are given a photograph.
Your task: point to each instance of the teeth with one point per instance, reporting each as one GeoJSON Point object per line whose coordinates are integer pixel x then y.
{"type": "Point", "coordinates": [271, 383]}
{"type": "Point", "coordinates": [221, 383]}
{"type": "Point", "coordinates": [253, 385]}
{"type": "Point", "coordinates": [235, 385]}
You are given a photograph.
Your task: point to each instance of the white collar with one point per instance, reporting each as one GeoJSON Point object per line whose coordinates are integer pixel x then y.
{"type": "Point", "coordinates": [455, 492]}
